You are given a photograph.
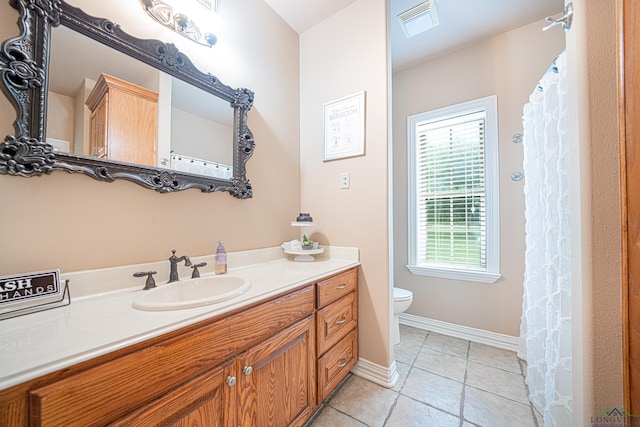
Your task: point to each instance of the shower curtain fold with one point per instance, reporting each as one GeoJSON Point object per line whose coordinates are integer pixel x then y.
{"type": "Point", "coordinates": [546, 311]}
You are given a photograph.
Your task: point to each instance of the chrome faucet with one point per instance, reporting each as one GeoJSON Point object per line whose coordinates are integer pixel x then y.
{"type": "Point", "coordinates": [174, 260]}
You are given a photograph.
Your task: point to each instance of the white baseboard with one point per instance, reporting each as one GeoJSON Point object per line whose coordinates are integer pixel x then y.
{"type": "Point", "coordinates": [378, 374]}
{"type": "Point", "coordinates": [481, 336]}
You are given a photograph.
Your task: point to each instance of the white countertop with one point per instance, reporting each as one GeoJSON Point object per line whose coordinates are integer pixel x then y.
{"type": "Point", "coordinates": [95, 324]}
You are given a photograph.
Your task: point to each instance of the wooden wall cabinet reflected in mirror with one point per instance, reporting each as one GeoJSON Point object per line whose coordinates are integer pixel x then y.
{"type": "Point", "coordinates": [123, 122]}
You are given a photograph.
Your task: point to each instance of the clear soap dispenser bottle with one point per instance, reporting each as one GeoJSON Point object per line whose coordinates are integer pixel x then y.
{"type": "Point", "coordinates": [221, 259]}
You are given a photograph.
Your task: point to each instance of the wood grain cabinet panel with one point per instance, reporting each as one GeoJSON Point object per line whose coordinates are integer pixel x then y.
{"type": "Point", "coordinates": [336, 287]}
{"type": "Point", "coordinates": [276, 379]}
{"type": "Point", "coordinates": [124, 121]}
{"type": "Point", "coordinates": [206, 401]}
{"type": "Point", "coordinates": [335, 321]}
{"type": "Point", "coordinates": [112, 389]}
{"type": "Point", "coordinates": [334, 365]}
{"type": "Point", "coordinates": [254, 325]}
{"type": "Point", "coordinates": [336, 330]}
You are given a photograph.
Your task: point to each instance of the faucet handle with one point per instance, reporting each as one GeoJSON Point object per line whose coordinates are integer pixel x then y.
{"type": "Point", "coordinates": [195, 267]}
{"type": "Point", "coordinates": [151, 283]}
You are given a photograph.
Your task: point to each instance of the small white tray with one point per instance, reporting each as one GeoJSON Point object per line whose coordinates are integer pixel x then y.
{"type": "Point", "coordinates": [304, 254]}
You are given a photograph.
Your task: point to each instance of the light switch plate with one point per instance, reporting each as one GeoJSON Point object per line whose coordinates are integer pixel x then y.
{"type": "Point", "coordinates": [345, 180]}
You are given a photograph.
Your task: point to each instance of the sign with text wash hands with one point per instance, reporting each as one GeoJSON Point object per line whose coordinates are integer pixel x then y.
{"type": "Point", "coordinates": [31, 292]}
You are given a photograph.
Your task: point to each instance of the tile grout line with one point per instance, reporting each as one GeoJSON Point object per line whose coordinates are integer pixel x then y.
{"type": "Point", "coordinates": [412, 366]}
{"type": "Point", "coordinates": [395, 402]}
{"type": "Point", "coordinates": [464, 386]}
{"type": "Point", "coordinates": [524, 378]}
{"type": "Point", "coordinates": [392, 407]}
{"type": "Point", "coordinates": [349, 416]}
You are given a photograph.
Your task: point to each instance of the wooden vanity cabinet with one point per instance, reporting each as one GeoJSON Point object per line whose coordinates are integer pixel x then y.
{"type": "Point", "coordinates": [336, 330]}
{"type": "Point", "coordinates": [124, 121]}
{"type": "Point", "coordinates": [193, 376]}
{"type": "Point", "coordinates": [267, 364]}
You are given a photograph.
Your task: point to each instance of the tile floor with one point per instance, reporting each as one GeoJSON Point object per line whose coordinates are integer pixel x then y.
{"type": "Point", "coordinates": [444, 381]}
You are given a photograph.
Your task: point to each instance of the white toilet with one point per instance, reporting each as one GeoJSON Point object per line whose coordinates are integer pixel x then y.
{"type": "Point", "coordinates": [402, 299]}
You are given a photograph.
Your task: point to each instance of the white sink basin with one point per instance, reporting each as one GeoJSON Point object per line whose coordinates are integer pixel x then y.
{"type": "Point", "coordinates": [191, 293]}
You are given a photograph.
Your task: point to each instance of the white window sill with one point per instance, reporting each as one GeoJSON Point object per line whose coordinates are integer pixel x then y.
{"type": "Point", "coordinates": [459, 274]}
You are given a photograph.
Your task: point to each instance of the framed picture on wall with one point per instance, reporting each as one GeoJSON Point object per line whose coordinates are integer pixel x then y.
{"type": "Point", "coordinates": [343, 127]}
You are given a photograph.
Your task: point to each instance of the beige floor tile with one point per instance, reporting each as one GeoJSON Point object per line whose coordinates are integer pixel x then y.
{"type": "Point", "coordinates": [409, 413]}
{"type": "Point", "coordinates": [432, 369]}
{"type": "Point", "coordinates": [442, 393]}
{"type": "Point", "coordinates": [496, 357]}
{"type": "Point", "coordinates": [408, 348]}
{"type": "Point", "coordinates": [409, 331]}
{"type": "Point", "coordinates": [403, 370]}
{"type": "Point", "coordinates": [445, 344]}
{"type": "Point", "coordinates": [488, 410]}
{"type": "Point", "coordinates": [329, 417]}
{"type": "Point", "coordinates": [442, 364]}
{"type": "Point", "coordinates": [364, 401]}
{"type": "Point", "coordinates": [497, 381]}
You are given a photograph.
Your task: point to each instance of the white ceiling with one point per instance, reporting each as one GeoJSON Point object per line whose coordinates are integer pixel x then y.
{"type": "Point", "coordinates": [304, 14]}
{"type": "Point", "coordinates": [462, 22]}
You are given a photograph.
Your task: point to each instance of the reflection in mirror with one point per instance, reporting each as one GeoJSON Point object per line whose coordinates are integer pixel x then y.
{"type": "Point", "coordinates": [181, 144]}
{"type": "Point", "coordinates": [193, 131]}
{"type": "Point", "coordinates": [201, 132]}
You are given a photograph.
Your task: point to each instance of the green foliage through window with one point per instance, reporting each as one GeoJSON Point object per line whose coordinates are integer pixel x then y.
{"type": "Point", "coordinates": [451, 190]}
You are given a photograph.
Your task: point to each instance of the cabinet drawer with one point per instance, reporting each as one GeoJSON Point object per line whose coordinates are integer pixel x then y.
{"type": "Point", "coordinates": [336, 364]}
{"type": "Point", "coordinates": [335, 321]}
{"type": "Point", "coordinates": [336, 287]}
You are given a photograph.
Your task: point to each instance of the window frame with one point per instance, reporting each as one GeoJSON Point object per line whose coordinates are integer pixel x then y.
{"type": "Point", "coordinates": [491, 273]}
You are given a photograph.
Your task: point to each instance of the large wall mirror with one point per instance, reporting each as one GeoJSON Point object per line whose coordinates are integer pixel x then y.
{"type": "Point", "coordinates": [93, 99]}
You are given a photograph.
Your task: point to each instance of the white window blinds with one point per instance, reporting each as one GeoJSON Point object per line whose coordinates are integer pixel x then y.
{"type": "Point", "coordinates": [451, 191]}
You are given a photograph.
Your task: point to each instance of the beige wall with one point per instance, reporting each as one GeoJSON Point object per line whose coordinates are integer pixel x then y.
{"type": "Point", "coordinates": [509, 66]}
{"type": "Point", "coordinates": [597, 325]}
{"type": "Point", "coordinates": [61, 112]}
{"type": "Point", "coordinates": [73, 222]}
{"type": "Point", "coordinates": [336, 61]}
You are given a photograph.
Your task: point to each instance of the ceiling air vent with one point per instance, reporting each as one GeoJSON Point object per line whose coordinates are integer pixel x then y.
{"type": "Point", "coordinates": [419, 18]}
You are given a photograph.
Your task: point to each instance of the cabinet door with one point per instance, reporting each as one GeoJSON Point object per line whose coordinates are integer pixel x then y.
{"type": "Point", "coordinates": [208, 401]}
{"type": "Point", "coordinates": [276, 379]}
{"type": "Point", "coordinates": [98, 129]}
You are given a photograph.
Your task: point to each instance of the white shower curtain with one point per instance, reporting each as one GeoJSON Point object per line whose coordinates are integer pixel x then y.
{"type": "Point", "coordinates": [546, 311]}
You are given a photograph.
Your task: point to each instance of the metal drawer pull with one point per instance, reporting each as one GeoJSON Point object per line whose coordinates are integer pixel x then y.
{"type": "Point", "coordinates": [231, 381]}
{"type": "Point", "coordinates": [344, 285]}
{"type": "Point", "coordinates": [247, 370]}
{"type": "Point", "coordinates": [343, 363]}
{"type": "Point", "coordinates": [341, 321]}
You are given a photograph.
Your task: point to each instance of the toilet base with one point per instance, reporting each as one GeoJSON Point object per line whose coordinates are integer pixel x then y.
{"type": "Point", "coordinates": [396, 329]}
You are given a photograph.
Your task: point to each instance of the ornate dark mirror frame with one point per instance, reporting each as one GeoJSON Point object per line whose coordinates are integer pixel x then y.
{"type": "Point", "coordinates": [24, 62]}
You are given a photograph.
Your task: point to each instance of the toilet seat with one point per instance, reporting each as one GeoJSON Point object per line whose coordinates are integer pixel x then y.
{"type": "Point", "coordinates": [400, 294]}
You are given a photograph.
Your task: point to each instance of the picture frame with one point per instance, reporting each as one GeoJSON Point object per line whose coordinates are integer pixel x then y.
{"type": "Point", "coordinates": [344, 127]}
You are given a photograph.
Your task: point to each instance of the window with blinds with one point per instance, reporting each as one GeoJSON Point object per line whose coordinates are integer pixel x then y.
{"type": "Point", "coordinates": [451, 197]}
{"type": "Point", "coordinates": [454, 191]}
